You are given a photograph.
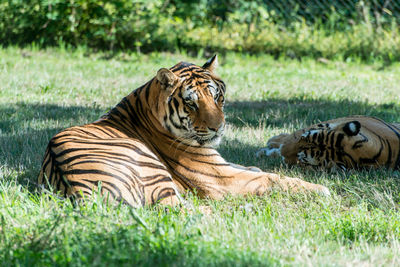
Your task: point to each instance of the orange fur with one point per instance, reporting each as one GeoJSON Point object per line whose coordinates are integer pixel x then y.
{"type": "Point", "coordinates": [349, 142]}
{"type": "Point", "coordinates": [156, 144]}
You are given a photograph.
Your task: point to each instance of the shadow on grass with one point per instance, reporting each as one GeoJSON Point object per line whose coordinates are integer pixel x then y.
{"type": "Point", "coordinates": [22, 115]}
{"type": "Point", "coordinates": [25, 129]}
{"type": "Point", "coordinates": [299, 113]}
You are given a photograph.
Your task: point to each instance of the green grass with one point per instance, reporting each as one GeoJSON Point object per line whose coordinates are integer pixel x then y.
{"type": "Point", "coordinates": [42, 92]}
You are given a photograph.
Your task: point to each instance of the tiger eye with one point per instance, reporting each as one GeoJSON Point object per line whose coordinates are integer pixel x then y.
{"type": "Point", "coordinates": [191, 104]}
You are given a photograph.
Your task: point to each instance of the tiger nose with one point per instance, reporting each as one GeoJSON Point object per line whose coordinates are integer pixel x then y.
{"type": "Point", "coordinates": [217, 124]}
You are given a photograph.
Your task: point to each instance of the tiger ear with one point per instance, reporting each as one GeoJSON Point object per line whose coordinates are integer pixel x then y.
{"type": "Point", "coordinates": [167, 78]}
{"type": "Point", "coordinates": [211, 64]}
{"type": "Point", "coordinates": [352, 128]}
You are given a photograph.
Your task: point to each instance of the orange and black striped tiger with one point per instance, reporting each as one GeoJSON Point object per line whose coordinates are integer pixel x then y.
{"type": "Point", "coordinates": [155, 144]}
{"type": "Point", "coordinates": [343, 143]}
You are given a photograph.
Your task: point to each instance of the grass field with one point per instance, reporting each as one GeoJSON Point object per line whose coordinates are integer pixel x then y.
{"type": "Point", "coordinates": [42, 92]}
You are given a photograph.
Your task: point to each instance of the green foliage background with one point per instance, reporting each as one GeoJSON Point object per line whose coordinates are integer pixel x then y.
{"type": "Point", "coordinates": [367, 30]}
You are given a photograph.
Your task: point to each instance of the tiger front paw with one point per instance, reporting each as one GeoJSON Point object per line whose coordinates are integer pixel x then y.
{"type": "Point", "coordinates": [269, 152]}
{"type": "Point", "coordinates": [298, 185]}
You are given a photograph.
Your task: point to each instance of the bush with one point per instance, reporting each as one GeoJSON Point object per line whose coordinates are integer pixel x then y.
{"type": "Point", "coordinates": [330, 29]}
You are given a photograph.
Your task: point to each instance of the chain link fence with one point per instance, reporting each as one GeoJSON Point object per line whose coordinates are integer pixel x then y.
{"type": "Point", "coordinates": [312, 9]}
{"type": "Point", "coordinates": [379, 12]}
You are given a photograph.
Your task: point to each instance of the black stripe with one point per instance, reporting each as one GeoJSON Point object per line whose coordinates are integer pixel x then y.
{"type": "Point", "coordinates": [389, 158]}
{"type": "Point", "coordinates": [66, 151]}
{"type": "Point", "coordinates": [170, 108]}
{"type": "Point", "coordinates": [181, 66]}
{"type": "Point", "coordinates": [58, 184]}
{"type": "Point", "coordinates": [165, 179]}
{"type": "Point", "coordinates": [163, 193]}
{"type": "Point", "coordinates": [150, 177]}
{"type": "Point", "coordinates": [176, 105]}
{"type": "Point", "coordinates": [85, 132]}
{"type": "Point", "coordinates": [331, 145]}
{"type": "Point", "coordinates": [75, 183]}
{"type": "Point", "coordinates": [106, 186]}
{"type": "Point", "coordinates": [102, 129]}
{"type": "Point", "coordinates": [137, 163]}
{"type": "Point", "coordinates": [147, 90]}
{"type": "Point", "coordinates": [397, 164]}
{"type": "Point", "coordinates": [46, 159]}
{"type": "Point", "coordinates": [338, 145]}
{"type": "Point", "coordinates": [52, 167]}
{"type": "Point", "coordinates": [131, 178]}
{"type": "Point", "coordinates": [339, 140]}
{"type": "Point", "coordinates": [106, 130]}
{"type": "Point", "coordinates": [93, 171]}
{"type": "Point", "coordinates": [104, 149]}
{"type": "Point", "coordinates": [321, 136]}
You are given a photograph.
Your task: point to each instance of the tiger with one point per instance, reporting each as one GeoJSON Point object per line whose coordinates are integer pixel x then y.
{"type": "Point", "coordinates": [157, 144]}
{"type": "Point", "coordinates": [352, 142]}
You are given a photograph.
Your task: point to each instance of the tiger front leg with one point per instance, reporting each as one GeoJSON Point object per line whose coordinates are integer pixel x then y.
{"type": "Point", "coordinates": [273, 148]}
{"type": "Point", "coordinates": [241, 181]}
{"type": "Point", "coordinates": [296, 185]}
{"type": "Point", "coordinates": [265, 182]}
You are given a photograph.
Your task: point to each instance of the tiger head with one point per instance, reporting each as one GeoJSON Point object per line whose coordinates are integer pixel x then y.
{"type": "Point", "coordinates": [191, 101]}
{"type": "Point", "coordinates": [342, 143]}
{"type": "Point", "coordinates": [333, 145]}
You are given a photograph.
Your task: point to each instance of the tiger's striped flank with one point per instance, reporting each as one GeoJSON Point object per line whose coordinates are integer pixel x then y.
{"type": "Point", "coordinates": [155, 144]}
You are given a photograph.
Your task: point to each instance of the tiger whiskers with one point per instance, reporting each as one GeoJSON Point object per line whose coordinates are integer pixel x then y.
{"type": "Point", "coordinates": [178, 141]}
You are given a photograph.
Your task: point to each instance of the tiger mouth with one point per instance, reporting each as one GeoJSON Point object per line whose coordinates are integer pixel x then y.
{"type": "Point", "coordinates": [207, 140]}
{"type": "Point", "coordinates": [212, 139]}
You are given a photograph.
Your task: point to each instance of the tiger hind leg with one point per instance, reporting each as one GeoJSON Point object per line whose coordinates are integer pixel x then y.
{"type": "Point", "coordinates": [161, 189]}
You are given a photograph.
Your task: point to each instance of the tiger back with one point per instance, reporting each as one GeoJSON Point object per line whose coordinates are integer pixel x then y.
{"type": "Point", "coordinates": [155, 144]}
{"type": "Point", "coordinates": [348, 142]}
